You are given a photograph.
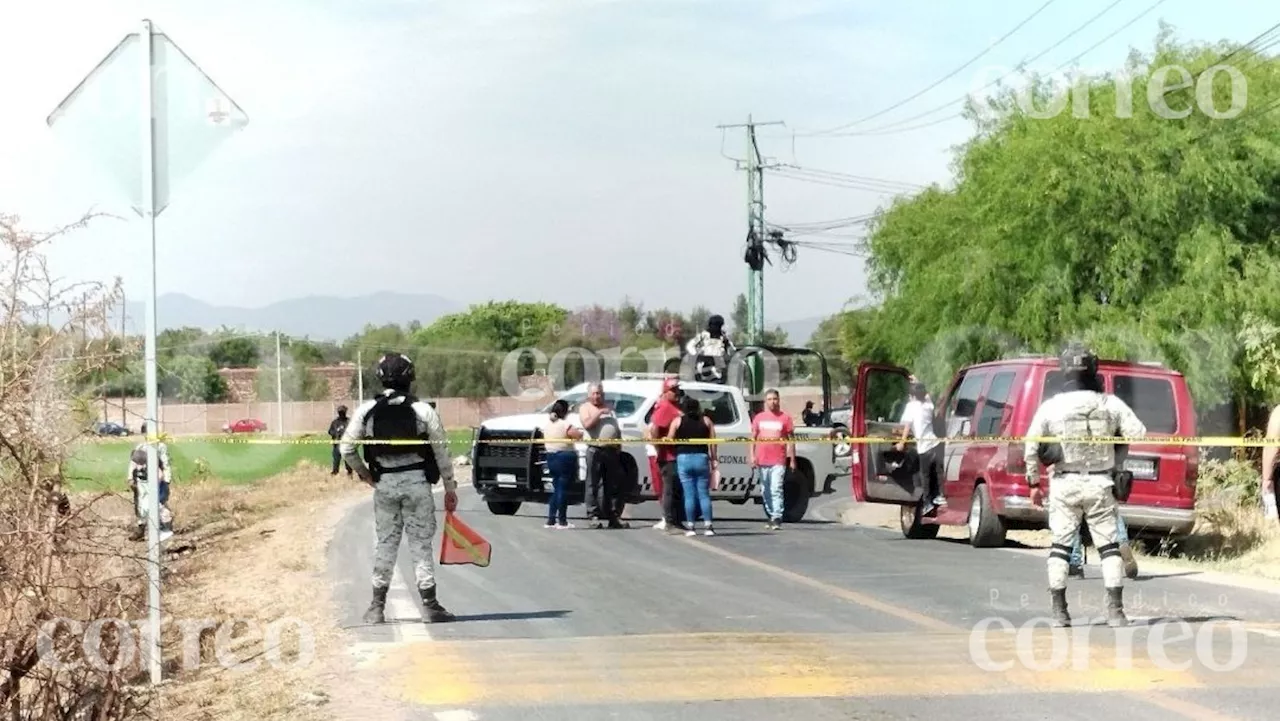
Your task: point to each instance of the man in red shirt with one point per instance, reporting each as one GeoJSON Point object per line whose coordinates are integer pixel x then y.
{"type": "Point", "coordinates": [770, 461]}
{"type": "Point", "coordinates": [666, 412]}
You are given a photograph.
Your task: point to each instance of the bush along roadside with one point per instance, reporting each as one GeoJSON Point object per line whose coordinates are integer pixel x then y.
{"type": "Point", "coordinates": [1231, 531]}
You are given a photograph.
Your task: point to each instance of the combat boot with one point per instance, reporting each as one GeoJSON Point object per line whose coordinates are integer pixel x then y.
{"type": "Point", "coordinates": [375, 614]}
{"type": "Point", "coordinates": [1060, 616]}
{"type": "Point", "coordinates": [1115, 608]}
{"type": "Point", "coordinates": [435, 612]}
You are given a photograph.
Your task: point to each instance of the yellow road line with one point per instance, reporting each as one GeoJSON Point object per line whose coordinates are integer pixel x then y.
{"type": "Point", "coordinates": [1103, 680]}
{"type": "Point", "coordinates": [842, 593]}
{"type": "Point", "coordinates": [708, 667]}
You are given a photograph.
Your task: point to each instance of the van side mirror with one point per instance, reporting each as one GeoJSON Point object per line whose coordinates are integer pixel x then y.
{"type": "Point", "coordinates": [966, 426]}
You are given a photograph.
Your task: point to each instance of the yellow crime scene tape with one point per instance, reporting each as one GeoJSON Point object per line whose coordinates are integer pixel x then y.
{"type": "Point", "coordinates": [1201, 441]}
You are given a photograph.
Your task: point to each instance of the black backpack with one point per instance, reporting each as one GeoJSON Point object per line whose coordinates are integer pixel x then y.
{"type": "Point", "coordinates": [393, 418]}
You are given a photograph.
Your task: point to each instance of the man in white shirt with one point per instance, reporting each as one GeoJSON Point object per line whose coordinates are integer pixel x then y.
{"type": "Point", "coordinates": [917, 422]}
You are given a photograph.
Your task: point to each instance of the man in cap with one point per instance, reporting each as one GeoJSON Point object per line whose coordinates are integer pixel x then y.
{"type": "Point", "coordinates": [666, 412]}
{"type": "Point", "coordinates": [1082, 486]}
{"type": "Point", "coordinates": [402, 476]}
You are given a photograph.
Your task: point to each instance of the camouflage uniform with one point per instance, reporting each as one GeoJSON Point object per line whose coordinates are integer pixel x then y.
{"type": "Point", "coordinates": [403, 504]}
{"type": "Point", "coordinates": [1081, 485]}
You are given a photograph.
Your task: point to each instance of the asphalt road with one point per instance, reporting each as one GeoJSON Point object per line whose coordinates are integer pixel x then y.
{"type": "Point", "coordinates": [820, 621]}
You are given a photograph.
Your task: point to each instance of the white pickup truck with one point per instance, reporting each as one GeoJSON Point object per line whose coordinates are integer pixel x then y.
{"type": "Point", "coordinates": [510, 474]}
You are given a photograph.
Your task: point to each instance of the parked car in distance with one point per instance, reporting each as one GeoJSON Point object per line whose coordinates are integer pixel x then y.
{"type": "Point", "coordinates": [984, 480]}
{"type": "Point", "coordinates": [109, 428]}
{"type": "Point", "coordinates": [245, 425]}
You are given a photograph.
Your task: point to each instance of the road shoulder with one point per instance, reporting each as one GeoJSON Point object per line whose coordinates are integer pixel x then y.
{"type": "Point", "coordinates": [1036, 543]}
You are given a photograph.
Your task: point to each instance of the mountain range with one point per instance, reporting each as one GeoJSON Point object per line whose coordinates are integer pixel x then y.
{"type": "Point", "coordinates": [324, 317]}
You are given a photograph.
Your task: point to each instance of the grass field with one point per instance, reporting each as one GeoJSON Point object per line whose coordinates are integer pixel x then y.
{"type": "Point", "coordinates": [100, 465]}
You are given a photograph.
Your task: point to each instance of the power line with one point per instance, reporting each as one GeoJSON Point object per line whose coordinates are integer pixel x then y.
{"type": "Point", "coordinates": [941, 80]}
{"type": "Point", "coordinates": [896, 127]}
{"type": "Point", "coordinates": [837, 182]}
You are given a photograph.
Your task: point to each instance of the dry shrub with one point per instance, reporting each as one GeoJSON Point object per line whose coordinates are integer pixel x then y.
{"type": "Point", "coordinates": [1230, 528]}
{"type": "Point", "coordinates": [57, 561]}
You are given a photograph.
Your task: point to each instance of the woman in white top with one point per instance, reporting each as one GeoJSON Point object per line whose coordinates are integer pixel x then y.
{"type": "Point", "coordinates": [562, 461]}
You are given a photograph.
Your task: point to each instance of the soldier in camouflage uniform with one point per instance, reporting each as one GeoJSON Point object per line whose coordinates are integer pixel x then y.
{"type": "Point", "coordinates": [711, 350]}
{"type": "Point", "coordinates": [1082, 485]}
{"type": "Point", "coordinates": [402, 477]}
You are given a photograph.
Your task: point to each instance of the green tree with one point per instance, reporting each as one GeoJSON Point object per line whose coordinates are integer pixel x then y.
{"type": "Point", "coordinates": [191, 379]}
{"type": "Point", "coordinates": [1146, 236]}
{"type": "Point", "coordinates": [505, 325]}
{"type": "Point", "coordinates": [235, 353]}
{"type": "Point", "coordinates": [471, 368]}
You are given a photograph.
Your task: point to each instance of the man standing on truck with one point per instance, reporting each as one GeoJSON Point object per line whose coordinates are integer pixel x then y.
{"type": "Point", "coordinates": [917, 421]}
{"type": "Point", "coordinates": [1082, 483]}
{"type": "Point", "coordinates": [770, 461]}
{"type": "Point", "coordinates": [666, 412]}
{"type": "Point", "coordinates": [711, 350]}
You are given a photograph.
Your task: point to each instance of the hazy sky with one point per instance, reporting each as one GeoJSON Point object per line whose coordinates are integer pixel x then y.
{"type": "Point", "coordinates": [561, 150]}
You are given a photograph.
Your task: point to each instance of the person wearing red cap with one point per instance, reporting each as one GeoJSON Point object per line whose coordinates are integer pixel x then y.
{"type": "Point", "coordinates": [666, 412]}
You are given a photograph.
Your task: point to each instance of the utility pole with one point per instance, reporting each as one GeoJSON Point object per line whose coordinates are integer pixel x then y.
{"type": "Point", "coordinates": [359, 377]}
{"type": "Point", "coordinates": [755, 255]}
{"type": "Point", "coordinates": [124, 305]}
{"type": "Point", "coordinates": [279, 391]}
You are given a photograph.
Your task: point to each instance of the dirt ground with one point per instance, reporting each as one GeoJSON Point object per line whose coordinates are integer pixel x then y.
{"type": "Point", "coordinates": [257, 552]}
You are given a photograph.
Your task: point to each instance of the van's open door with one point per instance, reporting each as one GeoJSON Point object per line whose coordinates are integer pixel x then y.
{"type": "Point", "coordinates": [879, 472]}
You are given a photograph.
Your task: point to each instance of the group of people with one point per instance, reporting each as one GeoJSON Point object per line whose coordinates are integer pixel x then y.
{"type": "Point", "coordinates": [687, 464]}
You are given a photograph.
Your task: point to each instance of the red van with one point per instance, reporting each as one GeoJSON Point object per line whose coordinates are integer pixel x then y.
{"type": "Point", "coordinates": [984, 481]}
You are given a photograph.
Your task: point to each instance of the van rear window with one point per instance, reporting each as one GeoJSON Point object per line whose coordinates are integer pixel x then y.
{"type": "Point", "coordinates": [1150, 398]}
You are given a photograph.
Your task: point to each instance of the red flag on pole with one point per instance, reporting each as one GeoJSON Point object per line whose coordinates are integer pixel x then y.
{"type": "Point", "coordinates": [462, 545]}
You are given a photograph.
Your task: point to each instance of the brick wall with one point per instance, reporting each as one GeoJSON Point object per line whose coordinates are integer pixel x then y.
{"type": "Point", "coordinates": [240, 382]}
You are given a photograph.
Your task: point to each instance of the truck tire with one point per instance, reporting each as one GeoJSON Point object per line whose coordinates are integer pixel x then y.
{"type": "Point", "coordinates": [504, 508]}
{"type": "Point", "coordinates": [913, 526]}
{"type": "Point", "coordinates": [986, 530]}
{"type": "Point", "coordinates": [796, 491]}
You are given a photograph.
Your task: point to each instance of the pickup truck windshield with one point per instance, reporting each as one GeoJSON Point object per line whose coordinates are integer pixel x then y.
{"type": "Point", "coordinates": [623, 404]}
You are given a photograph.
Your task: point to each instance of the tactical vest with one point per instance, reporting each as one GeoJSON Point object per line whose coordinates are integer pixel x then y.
{"type": "Point", "coordinates": [1087, 419]}
{"type": "Point", "coordinates": [393, 418]}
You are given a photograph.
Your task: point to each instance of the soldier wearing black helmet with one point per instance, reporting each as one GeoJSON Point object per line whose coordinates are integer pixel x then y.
{"type": "Point", "coordinates": [336, 428]}
{"type": "Point", "coordinates": [711, 350]}
{"type": "Point", "coordinates": [1083, 481]}
{"type": "Point", "coordinates": [402, 476]}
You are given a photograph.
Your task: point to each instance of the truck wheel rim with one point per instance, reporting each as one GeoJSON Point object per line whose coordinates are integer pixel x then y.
{"type": "Point", "coordinates": [975, 512]}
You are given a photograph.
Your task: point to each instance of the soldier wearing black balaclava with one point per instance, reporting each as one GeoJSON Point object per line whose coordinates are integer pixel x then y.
{"type": "Point", "coordinates": [336, 429]}
{"type": "Point", "coordinates": [711, 350]}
